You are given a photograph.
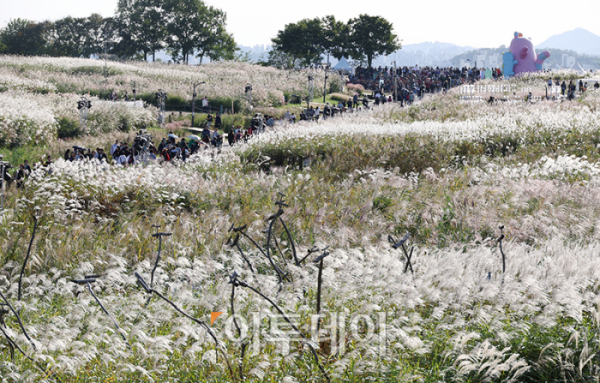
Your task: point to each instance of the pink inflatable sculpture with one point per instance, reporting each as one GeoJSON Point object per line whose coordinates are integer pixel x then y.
{"type": "Point", "coordinates": [524, 54]}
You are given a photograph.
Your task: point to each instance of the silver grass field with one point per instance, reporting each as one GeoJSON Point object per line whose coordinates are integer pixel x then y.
{"type": "Point", "coordinates": [449, 173]}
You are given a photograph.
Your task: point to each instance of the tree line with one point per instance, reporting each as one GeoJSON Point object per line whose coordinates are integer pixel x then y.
{"type": "Point", "coordinates": [138, 30]}
{"type": "Point", "coordinates": [304, 43]}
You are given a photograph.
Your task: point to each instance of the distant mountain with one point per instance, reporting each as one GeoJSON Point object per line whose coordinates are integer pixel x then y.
{"type": "Point", "coordinates": [578, 40]}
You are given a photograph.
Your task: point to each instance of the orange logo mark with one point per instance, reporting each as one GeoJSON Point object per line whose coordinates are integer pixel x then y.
{"type": "Point", "coordinates": [214, 315]}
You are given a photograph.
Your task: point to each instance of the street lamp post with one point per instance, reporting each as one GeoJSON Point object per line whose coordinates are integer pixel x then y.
{"type": "Point", "coordinates": [309, 98]}
{"type": "Point", "coordinates": [161, 97]}
{"type": "Point", "coordinates": [325, 83]}
{"type": "Point", "coordinates": [194, 100]}
{"type": "Point", "coordinates": [395, 83]}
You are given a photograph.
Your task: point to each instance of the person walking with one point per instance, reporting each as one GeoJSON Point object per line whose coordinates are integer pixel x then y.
{"type": "Point", "coordinates": [20, 176]}
{"type": "Point", "coordinates": [218, 121]}
{"type": "Point", "coordinates": [184, 149]}
{"type": "Point", "coordinates": [114, 147]}
{"type": "Point", "coordinates": [231, 136]}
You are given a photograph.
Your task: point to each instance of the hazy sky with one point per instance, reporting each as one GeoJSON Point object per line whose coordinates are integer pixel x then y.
{"type": "Point", "coordinates": [461, 22]}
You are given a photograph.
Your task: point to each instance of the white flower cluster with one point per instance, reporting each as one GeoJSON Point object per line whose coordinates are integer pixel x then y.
{"type": "Point", "coordinates": [25, 117]}
{"type": "Point", "coordinates": [9, 81]}
{"type": "Point", "coordinates": [465, 289]}
{"type": "Point", "coordinates": [564, 168]}
{"type": "Point", "coordinates": [480, 125]}
{"type": "Point", "coordinates": [71, 190]}
{"type": "Point", "coordinates": [33, 117]}
{"type": "Point", "coordinates": [104, 117]}
{"type": "Point", "coordinates": [457, 296]}
{"type": "Point", "coordinates": [223, 79]}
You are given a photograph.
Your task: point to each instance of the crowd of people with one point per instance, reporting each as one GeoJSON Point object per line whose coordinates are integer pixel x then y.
{"type": "Point", "coordinates": [570, 89]}
{"type": "Point", "coordinates": [415, 80]}
{"type": "Point", "coordinates": [410, 84]}
{"type": "Point", "coordinates": [144, 149]}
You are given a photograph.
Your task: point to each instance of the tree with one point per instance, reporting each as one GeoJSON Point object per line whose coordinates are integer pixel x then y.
{"type": "Point", "coordinates": [214, 42]}
{"type": "Point", "coordinates": [95, 36]}
{"type": "Point", "coordinates": [302, 40]}
{"type": "Point", "coordinates": [143, 24]}
{"type": "Point", "coordinates": [125, 44]}
{"type": "Point", "coordinates": [25, 37]}
{"type": "Point", "coordinates": [223, 49]}
{"type": "Point", "coordinates": [239, 56]}
{"type": "Point", "coordinates": [279, 59]}
{"type": "Point", "coordinates": [185, 27]}
{"type": "Point", "coordinates": [335, 37]}
{"type": "Point", "coordinates": [81, 37]}
{"type": "Point", "coordinates": [372, 36]}
{"type": "Point", "coordinates": [67, 37]}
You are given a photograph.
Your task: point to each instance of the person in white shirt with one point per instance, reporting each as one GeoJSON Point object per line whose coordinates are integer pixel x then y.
{"type": "Point", "coordinates": [287, 116]}
{"type": "Point", "coordinates": [205, 104]}
{"type": "Point", "coordinates": [114, 147]}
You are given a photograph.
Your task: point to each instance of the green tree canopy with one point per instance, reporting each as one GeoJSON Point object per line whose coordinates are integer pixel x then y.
{"type": "Point", "coordinates": [140, 28]}
{"type": "Point", "coordinates": [81, 36]}
{"type": "Point", "coordinates": [195, 27]}
{"type": "Point", "coordinates": [363, 37]}
{"type": "Point", "coordinates": [95, 35]}
{"type": "Point", "coordinates": [372, 36]}
{"type": "Point", "coordinates": [335, 37]}
{"type": "Point", "coordinates": [303, 41]}
{"type": "Point", "coordinates": [214, 42]}
{"type": "Point", "coordinates": [68, 37]}
{"type": "Point", "coordinates": [278, 59]}
{"type": "Point", "coordinates": [25, 37]}
{"type": "Point", "coordinates": [143, 24]}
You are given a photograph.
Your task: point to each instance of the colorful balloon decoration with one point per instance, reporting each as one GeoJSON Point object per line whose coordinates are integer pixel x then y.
{"type": "Point", "coordinates": [522, 58]}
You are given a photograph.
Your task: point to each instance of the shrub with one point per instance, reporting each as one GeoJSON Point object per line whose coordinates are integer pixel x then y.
{"type": "Point", "coordinates": [336, 84]}
{"type": "Point", "coordinates": [176, 102]}
{"type": "Point", "coordinates": [95, 70]}
{"type": "Point", "coordinates": [68, 128]}
{"type": "Point", "coordinates": [358, 88]}
{"type": "Point", "coordinates": [225, 102]}
{"type": "Point", "coordinates": [340, 97]}
{"type": "Point", "coordinates": [382, 203]}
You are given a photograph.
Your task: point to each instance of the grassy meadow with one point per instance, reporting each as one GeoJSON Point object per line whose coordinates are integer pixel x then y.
{"type": "Point", "coordinates": [448, 173]}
